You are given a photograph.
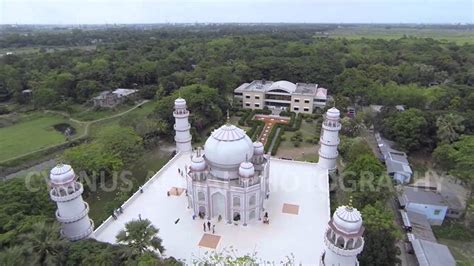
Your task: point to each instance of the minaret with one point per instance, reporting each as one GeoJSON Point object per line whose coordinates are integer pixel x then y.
{"type": "Point", "coordinates": [72, 211]}
{"type": "Point", "coordinates": [329, 140]}
{"type": "Point", "coordinates": [182, 126]}
{"type": "Point", "coordinates": [343, 238]}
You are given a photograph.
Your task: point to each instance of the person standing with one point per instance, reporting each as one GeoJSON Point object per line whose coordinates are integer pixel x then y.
{"type": "Point", "coordinates": [214, 229]}
{"type": "Point", "coordinates": [204, 225]}
{"type": "Point", "coordinates": [209, 225]}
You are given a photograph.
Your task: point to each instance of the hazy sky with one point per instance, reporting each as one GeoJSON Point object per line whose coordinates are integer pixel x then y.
{"type": "Point", "coordinates": [159, 11]}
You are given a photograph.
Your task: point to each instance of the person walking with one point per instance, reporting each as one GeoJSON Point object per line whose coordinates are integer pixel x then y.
{"type": "Point", "coordinates": [214, 229]}
{"type": "Point", "coordinates": [209, 225]}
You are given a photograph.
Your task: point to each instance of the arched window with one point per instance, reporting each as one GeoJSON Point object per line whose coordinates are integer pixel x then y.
{"type": "Point", "coordinates": [236, 202]}
{"type": "Point", "coordinates": [252, 200]}
{"type": "Point", "coordinates": [252, 215]}
{"type": "Point", "coordinates": [201, 196]}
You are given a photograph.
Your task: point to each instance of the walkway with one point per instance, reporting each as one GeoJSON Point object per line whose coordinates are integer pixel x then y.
{"type": "Point", "coordinates": [270, 121]}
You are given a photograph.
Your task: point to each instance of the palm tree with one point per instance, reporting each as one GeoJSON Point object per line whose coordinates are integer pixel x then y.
{"type": "Point", "coordinates": [449, 127]}
{"type": "Point", "coordinates": [44, 243]}
{"type": "Point", "coordinates": [16, 255]}
{"type": "Point", "coordinates": [140, 235]}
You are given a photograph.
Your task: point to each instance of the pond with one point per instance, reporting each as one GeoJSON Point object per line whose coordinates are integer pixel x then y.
{"type": "Point", "coordinates": [63, 127]}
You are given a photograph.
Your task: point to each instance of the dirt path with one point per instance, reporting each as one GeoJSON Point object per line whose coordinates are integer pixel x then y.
{"type": "Point", "coordinates": [86, 129]}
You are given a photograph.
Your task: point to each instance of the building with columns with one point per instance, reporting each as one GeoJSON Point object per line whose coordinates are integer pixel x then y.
{"type": "Point", "coordinates": [329, 140]}
{"type": "Point", "coordinates": [73, 211]}
{"type": "Point", "coordinates": [343, 238]}
{"type": "Point", "coordinates": [282, 94]}
{"type": "Point", "coordinates": [230, 178]}
{"type": "Point", "coordinates": [182, 127]}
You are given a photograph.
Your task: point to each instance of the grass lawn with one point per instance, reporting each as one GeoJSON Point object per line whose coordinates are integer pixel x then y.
{"type": "Point", "coordinates": [306, 151]}
{"type": "Point", "coordinates": [142, 111]}
{"type": "Point", "coordinates": [31, 133]}
{"type": "Point", "coordinates": [90, 113]}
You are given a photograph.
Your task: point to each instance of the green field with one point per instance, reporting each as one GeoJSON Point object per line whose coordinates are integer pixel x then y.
{"type": "Point", "coordinates": [449, 35]}
{"type": "Point", "coordinates": [32, 133]}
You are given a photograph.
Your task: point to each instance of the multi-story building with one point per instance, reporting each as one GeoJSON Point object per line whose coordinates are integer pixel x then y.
{"type": "Point", "coordinates": [285, 95]}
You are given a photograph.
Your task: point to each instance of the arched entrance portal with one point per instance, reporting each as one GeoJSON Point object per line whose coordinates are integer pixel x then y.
{"type": "Point", "coordinates": [218, 205]}
{"type": "Point", "coordinates": [202, 211]}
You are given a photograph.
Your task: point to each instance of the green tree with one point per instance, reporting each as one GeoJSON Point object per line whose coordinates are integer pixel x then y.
{"type": "Point", "coordinates": [365, 176]}
{"type": "Point", "coordinates": [207, 106]}
{"type": "Point", "coordinates": [449, 127]}
{"type": "Point", "coordinates": [24, 201]}
{"type": "Point", "coordinates": [120, 141]}
{"type": "Point", "coordinates": [45, 98]}
{"type": "Point", "coordinates": [140, 235]}
{"type": "Point", "coordinates": [406, 128]}
{"type": "Point", "coordinates": [92, 159]}
{"type": "Point", "coordinates": [47, 247]}
{"type": "Point", "coordinates": [380, 237]}
{"type": "Point", "coordinates": [457, 158]}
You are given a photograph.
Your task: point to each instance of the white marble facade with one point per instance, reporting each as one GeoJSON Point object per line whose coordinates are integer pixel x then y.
{"type": "Point", "coordinates": [230, 178]}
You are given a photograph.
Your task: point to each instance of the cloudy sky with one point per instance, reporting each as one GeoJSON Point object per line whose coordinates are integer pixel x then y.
{"type": "Point", "coordinates": [159, 11]}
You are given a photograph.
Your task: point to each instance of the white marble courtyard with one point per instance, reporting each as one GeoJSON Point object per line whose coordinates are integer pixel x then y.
{"type": "Point", "coordinates": [302, 186]}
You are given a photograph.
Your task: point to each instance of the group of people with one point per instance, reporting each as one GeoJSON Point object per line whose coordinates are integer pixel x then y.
{"type": "Point", "coordinates": [209, 227]}
{"type": "Point", "coordinates": [117, 212]}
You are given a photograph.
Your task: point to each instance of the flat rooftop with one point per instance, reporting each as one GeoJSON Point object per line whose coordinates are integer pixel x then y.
{"type": "Point", "coordinates": [422, 196]}
{"type": "Point", "coordinates": [298, 209]}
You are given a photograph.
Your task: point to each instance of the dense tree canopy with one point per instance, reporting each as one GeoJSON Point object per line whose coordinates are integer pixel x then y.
{"type": "Point", "coordinates": [207, 106]}
{"type": "Point", "coordinates": [381, 234]}
{"type": "Point", "coordinates": [457, 158]}
{"type": "Point", "coordinates": [407, 128]}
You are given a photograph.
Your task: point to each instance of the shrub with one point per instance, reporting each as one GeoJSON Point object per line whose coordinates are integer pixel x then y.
{"type": "Point", "coordinates": [279, 139]}
{"type": "Point", "coordinates": [4, 110]}
{"type": "Point", "coordinates": [270, 137]}
{"type": "Point", "coordinates": [243, 120]}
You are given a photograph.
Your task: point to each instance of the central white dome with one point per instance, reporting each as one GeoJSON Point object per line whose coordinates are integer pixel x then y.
{"type": "Point", "coordinates": [228, 146]}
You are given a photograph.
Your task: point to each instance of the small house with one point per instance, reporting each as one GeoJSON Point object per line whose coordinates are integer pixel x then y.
{"type": "Point", "coordinates": [427, 202]}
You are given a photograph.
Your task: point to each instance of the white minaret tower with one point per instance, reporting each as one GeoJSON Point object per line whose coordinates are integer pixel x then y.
{"type": "Point", "coordinates": [182, 126]}
{"type": "Point", "coordinates": [72, 211]}
{"type": "Point", "coordinates": [329, 140]}
{"type": "Point", "coordinates": [343, 238]}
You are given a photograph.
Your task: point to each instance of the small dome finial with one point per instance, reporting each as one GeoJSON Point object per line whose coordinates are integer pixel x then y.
{"type": "Point", "coordinates": [349, 206]}
{"type": "Point", "coordinates": [228, 117]}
